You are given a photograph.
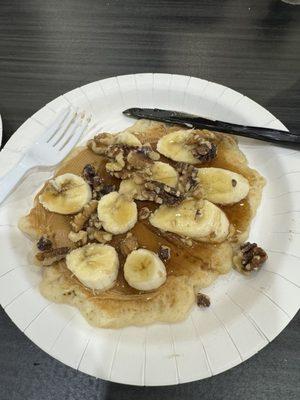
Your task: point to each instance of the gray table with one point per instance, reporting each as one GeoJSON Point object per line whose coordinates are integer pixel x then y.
{"type": "Point", "coordinates": [48, 48]}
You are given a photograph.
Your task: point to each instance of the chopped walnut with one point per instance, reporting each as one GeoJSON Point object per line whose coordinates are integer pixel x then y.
{"type": "Point", "coordinates": [99, 188]}
{"type": "Point", "coordinates": [81, 218]}
{"type": "Point", "coordinates": [187, 176]}
{"type": "Point", "coordinates": [94, 222]}
{"type": "Point", "coordinates": [138, 159]}
{"type": "Point", "coordinates": [79, 238]}
{"type": "Point", "coordinates": [89, 173]}
{"type": "Point", "coordinates": [250, 257]}
{"type": "Point", "coordinates": [117, 154]}
{"type": "Point", "coordinates": [49, 257]}
{"type": "Point", "coordinates": [44, 243]}
{"type": "Point", "coordinates": [100, 143]}
{"type": "Point", "coordinates": [164, 253]}
{"type": "Point", "coordinates": [144, 213]}
{"type": "Point", "coordinates": [203, 300]}
{"type": "Point", "coordinates": [99, 235]}
{"type": "Point", "coordinates": [128, 244]}
{"type": "Point", "coordinates": [203, 149]}
{"type": "Point", "coordinates": [127, 161]}
{"type": "Point", "coordinates": [161, 194]}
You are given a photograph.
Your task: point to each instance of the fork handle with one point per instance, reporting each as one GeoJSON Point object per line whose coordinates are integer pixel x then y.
{"type": "Point", "coordinates": [9, 180]}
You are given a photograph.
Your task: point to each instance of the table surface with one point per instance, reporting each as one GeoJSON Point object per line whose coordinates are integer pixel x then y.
{"type": "Point", "coordinates": [48, 48]}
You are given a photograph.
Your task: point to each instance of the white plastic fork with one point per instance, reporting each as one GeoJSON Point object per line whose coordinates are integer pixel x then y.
{"type": "Point", "coordinates": [50, 148]}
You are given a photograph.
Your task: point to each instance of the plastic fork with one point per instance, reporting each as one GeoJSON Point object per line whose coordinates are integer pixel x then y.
{"type": "Point", "coordinates": [50, 148]}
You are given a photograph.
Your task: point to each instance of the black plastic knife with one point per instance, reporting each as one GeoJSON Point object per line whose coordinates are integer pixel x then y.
{"type": "Point", "coordinates": [194, 121]}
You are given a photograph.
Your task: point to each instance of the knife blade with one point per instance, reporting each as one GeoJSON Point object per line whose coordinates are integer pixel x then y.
{"type": "Point", "coordinates": [194, 121]}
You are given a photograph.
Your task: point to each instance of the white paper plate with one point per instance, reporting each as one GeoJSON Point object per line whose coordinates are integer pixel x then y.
{"type": "Point", "coordinates": [1, 128]}
{"type": "Point", "coordinates": [246, 313]}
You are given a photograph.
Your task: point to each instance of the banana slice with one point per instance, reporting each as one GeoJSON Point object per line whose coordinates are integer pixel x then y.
{"type": "Point", "coordinates": [199, 220]}
{"type": "Point", "coordinates": [66, 194]}
{"type": "Point", "coordinates": [144, 270]}
{"type": "Point", "coordinates": [127, 138]}
{"type": "Point", "coordinates": [95, 265]}
{"type": "Point", "coordinates": [161, 172]}
{"type": "Point", "coordinates": [173, 145]}
{"type": "Point", "coordinates": [132, 189]}
{"type": "Point", "coordinates": [222, 186]}
{"type": "Point", "coordinates": [117, 213]}
{"type": "Point", "coordinates": [164, 173]}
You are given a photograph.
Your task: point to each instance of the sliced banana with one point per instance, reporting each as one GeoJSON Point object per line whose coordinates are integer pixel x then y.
{"type": "Point", "coordinates": [173, 145]}
{"type": "Point", "coordinates": [66, 194]}
{"type": "Point", "coordinates": [199, 220]}
{"type": "Point", "coordinates": [222, 186]}
{"type": "Point", "coordinates": [95, 265]}
{"type": "Point", "coordinates": [161, 172]}
{"type": "Point", "coordinates": [164, 173]}
{"type": "Point", "coordinates": [144, 270]}
{"type": "Point", "coordinates": [117, 213]}
{"type": "Point", "coordinates": [131, 188]}
{"type": "Point", "coordinates": [127, 138]}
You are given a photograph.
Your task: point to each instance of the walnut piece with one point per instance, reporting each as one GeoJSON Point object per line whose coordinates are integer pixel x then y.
{"type": "Point", "coordinates": [49, 257]}
{"type": "Point", "coordinates": [250, 257]}
{"type": "Point", "coordinates": [164, 253]}
{"type": "Point", "coordinates": [144, 213]}
{"type": "Point", "coordinates": [128, 244]}
{"type": "Point", "coordinates": [187, 177]}
{"type": "Point", "coordinates": [203, 300]}
{"type": "Point", "coordinates": [44, 243]}
{"type": "Point", "coordinates": [94, 222]}
{"type": "Point", "coordinates": [161, 193]}
{"type": "Point", "coordinates": [80, 238]}
{"type": "Point", "coordinates": [100, 143]}
{"type": "Point", "coordinates": [125, 161]}
{"type": "Point", "coordinates": [203, 149]}
{"type": "Point", "coordinates": [138, 159]}
{"type": "Point", "coordinates": [81, 218]}
{"type": "Point", "coordinates": [98, 235]}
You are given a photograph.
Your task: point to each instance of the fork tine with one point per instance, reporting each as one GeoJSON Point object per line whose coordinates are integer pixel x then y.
{"type": "Point", "coordinates": [63, 129]}
{"type": "Point", "coordinates": [55, 125]}
{"type": "Point", "coordinates": [73, 138]}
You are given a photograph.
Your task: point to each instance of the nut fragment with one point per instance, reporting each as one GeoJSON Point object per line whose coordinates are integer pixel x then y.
{"type": "Point", "coordinates": [138, 159]}
{"type": "Point", "coordinates": [125, 161]}
{"type": "Point", "coordinates": [144, 213]}
{"type": "Point", "coordinates": [203, 300]}
{"type": "Point", "coordinates": [81, 218]}
{"type": "Point", "coordinates": [203, 149]}
{"type": "Point", "coordinates": [94, 222]}
{"type": "Point", "coordinates": [78, 237]}
{"type": "Point", "coordinates": [187, 176]}
{"type": "Point", "coordinates": [49, 257]}
{"type": "Point", "coordinates": [128, 244]}
{"type": "Point", "coordinates": [250, 257]}
{"type": "Point", "coordinates": [164, 253]}
{"type": "Point", "coordinates": [44, 243]}
{"type": "Point", "coordinates": [89, 174]}
{"type": "Point", "coordinates": [161, 193]}
{"type": "Point", "coordinates": [99, 235]}
{"type": "Point", "coordinates": [100, 143]}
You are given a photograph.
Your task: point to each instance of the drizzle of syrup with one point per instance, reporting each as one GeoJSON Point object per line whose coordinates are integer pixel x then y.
{"type": "Point", "coordinates": [184, 259]}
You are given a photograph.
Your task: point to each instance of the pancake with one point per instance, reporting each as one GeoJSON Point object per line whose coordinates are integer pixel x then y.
{"type": "Point", "coordinates": [189, 269]}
